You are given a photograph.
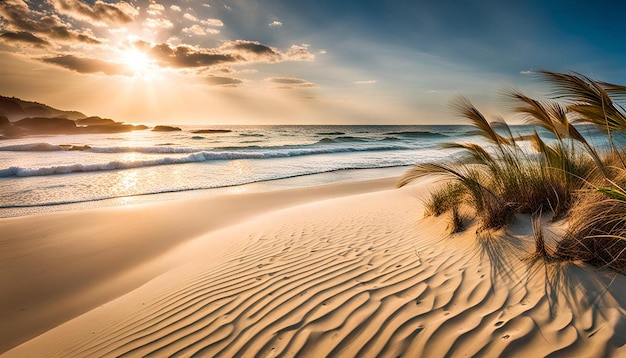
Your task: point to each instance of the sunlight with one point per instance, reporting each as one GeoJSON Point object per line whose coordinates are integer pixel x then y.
{"type": "Point", "coordinates": [139, 63]}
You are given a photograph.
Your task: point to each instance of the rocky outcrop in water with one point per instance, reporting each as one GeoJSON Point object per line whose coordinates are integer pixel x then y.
{"type": "Point", "coordinates": [211, 131]}
{"type": "Point", "coordinates": [166, 129]}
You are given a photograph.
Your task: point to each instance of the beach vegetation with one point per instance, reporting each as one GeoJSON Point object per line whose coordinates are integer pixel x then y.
{"type": "Point", "coordinates": [552, 169]}
{"type": "Point", "coordinates": [443, 199]}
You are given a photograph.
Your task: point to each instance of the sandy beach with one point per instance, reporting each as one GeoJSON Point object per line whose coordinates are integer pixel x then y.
{"type": "Point", "coordinates": [342, 270]}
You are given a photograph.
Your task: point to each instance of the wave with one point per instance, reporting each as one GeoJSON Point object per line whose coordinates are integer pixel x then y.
{"type": "Point", "coordinates": [344, 139]}
{"type": "Point", "coordinates": [417, 134]}
{"type": "Point", "coordinates": [208, 187]}
{"type": "Point", "coordinates": [191, 158]}
{"type": "Point", "coordinates": [166, 148]}
{"type": "Point", "coordinates": [251, 135]}
{"type": "Point", "coordinates": [330, 133]}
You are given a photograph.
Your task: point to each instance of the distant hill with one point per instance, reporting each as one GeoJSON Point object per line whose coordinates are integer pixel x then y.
{"type": "Point", "coordinates": [19, 118]}
{"type": "Point", "coordinates": [15, 109]}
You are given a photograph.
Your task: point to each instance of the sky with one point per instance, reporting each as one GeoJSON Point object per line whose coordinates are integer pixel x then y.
{"type": "Point", "coordinates": [298, 62]}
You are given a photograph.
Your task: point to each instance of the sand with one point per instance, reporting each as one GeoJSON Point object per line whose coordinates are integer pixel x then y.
{"type": "Point", "coordinates": [342, 270]}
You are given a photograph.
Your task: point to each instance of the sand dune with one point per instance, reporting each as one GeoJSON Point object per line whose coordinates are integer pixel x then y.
{"type": "Point", "coordinates": [361, 275]}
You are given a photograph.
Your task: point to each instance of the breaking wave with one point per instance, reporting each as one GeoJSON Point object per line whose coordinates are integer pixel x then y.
{"type": "Point", "coordinates": [191, 158]}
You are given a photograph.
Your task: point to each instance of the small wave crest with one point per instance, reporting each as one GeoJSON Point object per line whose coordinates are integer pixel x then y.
{"type": "Point", "coordinates": [417, 134]}
{"type": "Point", "coordinates": [343, 139]}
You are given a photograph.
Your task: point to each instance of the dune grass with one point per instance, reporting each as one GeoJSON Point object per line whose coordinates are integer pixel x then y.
{"type": "Point", "coordinates": [560, 173]}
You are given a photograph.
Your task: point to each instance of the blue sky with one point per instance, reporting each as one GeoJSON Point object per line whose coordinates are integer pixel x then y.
{"type": "Point", "coordinates": [271, 61]}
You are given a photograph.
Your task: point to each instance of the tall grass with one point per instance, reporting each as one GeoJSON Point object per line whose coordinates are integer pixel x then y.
{"type": "Point", "coordinates": [566, 176]}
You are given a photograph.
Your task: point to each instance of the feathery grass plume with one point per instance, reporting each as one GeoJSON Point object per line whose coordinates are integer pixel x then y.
{"type": "Point", "coordinates": [467, 110]}
{"type": "Point", "coordinates": [588, 98]}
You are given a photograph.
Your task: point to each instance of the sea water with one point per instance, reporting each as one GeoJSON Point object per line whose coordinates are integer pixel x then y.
{"type": "Point", "coordinates": [41, 173]}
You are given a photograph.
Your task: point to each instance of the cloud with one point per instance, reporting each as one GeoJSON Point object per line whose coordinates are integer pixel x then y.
{"type": "Point", "coordinates": [160, 23]}
{"type": "Point", "coordinates": [207, 22]}
{"type": "Point", "coordinates": [199, 30]}
{"type": "Point", "coordinates": [213, 22]}
{"type": "Point", "coordinates": [20, 18]}
{"type": "Point", "coordinates": [87, 65]}
{"type": "Point", "coordinates": [299, 53]}
{"type": "Point", "coordinates": [291, 83]}
{"type": "Point", "coordinates": [223, 81]}
{"type": "Point", "coordinates": [157, 7]}
{"type": "Point", "coordinates": [252, 51]}
{"type": "Point", "coordinates": [185, 56]}
{"type": "Point", "coordinates": [526, 72]}
{"type": "Point", "coordinates": [231, 52]}
{"type": "Point", "coordinates": [175, 8]}
{"type": "Point", "coordinates": [195, 29]}
{"type": "Point", "coordinates": [275, 23]}
{"type": "Point", "coordinates": [365, 82]}
{"type": "Point", "coordinates": [100, 13]}
{"type": "Point", "coordinates": [24, 37]}
{"type": "Point", "coordinates": [190, 17]}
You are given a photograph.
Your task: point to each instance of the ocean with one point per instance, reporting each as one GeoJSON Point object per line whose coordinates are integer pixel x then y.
{"type": "Point", "coordinates": [43, 173]}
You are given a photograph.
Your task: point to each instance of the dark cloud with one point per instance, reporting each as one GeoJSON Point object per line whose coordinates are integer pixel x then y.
{"type": "Point", "coordinates": [252, 51]}
{"type": "Point", "coordinates": [21, 18]}
{"type": "Point", "coordinates": [87, 65]}
{"type": "Point", "coordinates": [24, 37]}
{"type": "Point", "coordinates": [100, 12]}
{"type": "Point", "coordinates": [223, 81]}
{"type": "Point", "coordinates": [185, 56]}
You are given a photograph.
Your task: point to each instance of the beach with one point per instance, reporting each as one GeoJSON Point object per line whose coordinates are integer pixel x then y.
{"type": "Point", "coordinates": [350, 269]}
{"type": "Point", "coordinates": [312, 179]}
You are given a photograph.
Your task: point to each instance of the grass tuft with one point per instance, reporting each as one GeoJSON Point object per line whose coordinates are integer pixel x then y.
{"type": "Point", "coordinates": [456, 220]}
{"type": "Point", "coordinates": [444, 199]}
{"type": "Point", "coordinates": [542, 249]}
{"type": "Point", "coordinates": [563, 175]}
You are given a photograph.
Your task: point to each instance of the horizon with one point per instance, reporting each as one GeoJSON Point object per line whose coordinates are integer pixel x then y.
{"type": "Point", "coordinates": [270, 62]}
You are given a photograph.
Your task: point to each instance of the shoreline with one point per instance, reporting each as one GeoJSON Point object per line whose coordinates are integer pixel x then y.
{"type": "Point", "coordinates": [301, 181]}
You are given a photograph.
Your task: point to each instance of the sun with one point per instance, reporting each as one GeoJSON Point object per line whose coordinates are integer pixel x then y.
{"type": "Point", "coordinates": [138, 63]}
